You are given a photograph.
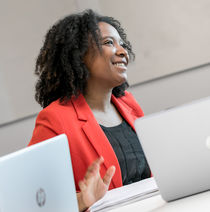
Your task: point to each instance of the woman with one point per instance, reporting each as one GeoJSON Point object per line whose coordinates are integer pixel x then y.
{"type": "Point", "coordinates": [82, 70]}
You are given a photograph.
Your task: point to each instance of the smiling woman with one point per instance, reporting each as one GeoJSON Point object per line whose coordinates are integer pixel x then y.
{"type": "Point", "coordinates": [82, 70]}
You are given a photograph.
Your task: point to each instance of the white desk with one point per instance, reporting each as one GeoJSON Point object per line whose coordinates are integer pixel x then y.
{"type": "Point", "coordinates": [195, 203]}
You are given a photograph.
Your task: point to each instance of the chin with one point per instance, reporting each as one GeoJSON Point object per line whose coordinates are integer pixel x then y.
{"type": "Point", "coordinates": [123, 79]}
{"type": "Point", "coordinates": [120, 82]}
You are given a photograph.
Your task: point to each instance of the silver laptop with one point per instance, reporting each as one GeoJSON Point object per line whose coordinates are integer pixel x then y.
{"type": "Point", "coordinates": [38, 178]}
{"type": "Point", "coordinates": [176, 143]}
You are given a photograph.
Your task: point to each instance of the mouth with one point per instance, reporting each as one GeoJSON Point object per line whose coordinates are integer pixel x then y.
{"type": "Point", "coordinates": [120, 64]}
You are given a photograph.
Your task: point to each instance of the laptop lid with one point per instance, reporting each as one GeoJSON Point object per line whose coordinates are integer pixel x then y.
{"type": "Point", "coordinates": [38, 178]}
{"type": "Point", "coordinates": [176, 143]}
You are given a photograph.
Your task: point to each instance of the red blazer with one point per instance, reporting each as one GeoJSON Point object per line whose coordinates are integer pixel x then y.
{"type": "Point", "coordinates": [87, 140]}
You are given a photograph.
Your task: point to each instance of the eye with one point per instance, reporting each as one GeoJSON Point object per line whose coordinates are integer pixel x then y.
{"type": "Point", "coordinates": [108, 42]}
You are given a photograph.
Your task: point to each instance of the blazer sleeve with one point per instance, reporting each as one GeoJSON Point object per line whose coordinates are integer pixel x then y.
{"type": "Point", "coordinates": [48, 125]}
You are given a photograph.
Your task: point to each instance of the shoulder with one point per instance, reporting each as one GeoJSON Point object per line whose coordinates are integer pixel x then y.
{"type": "Point", "coordinates": [51, 121]}
{"type": "Point", "coordinates": [56, 112]}
{"type": "Point", "coordinates": [131, 102]}
{"type": "Point", "coordinates": [57, 107]}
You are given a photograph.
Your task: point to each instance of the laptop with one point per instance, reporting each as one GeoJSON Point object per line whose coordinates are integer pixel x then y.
{"type": "Point", "coordinates": [38, 178]}
{"type": "Point", "coordinates": [176, 143]}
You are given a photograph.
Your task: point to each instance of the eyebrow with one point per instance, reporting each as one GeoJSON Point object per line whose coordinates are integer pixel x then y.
{"type": "Point", "coordinates": [105, 37]}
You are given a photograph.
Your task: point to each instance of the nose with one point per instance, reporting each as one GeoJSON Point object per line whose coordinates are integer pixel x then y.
{"type": "Point", "coordinates": [122, 52]}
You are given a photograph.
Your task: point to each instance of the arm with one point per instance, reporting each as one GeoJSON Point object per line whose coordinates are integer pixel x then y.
{"type": "Point", "coordinates": [93, 187]}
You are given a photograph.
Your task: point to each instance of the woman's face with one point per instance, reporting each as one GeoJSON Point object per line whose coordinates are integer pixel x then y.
{"type": "Point", "coordinates": [109, 66]}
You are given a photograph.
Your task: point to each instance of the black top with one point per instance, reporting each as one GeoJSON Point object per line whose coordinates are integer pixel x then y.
{"type": "Point", "coordinates": [128, 150]}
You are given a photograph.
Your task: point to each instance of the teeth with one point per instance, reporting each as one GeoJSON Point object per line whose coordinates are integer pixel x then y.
{"type": "Point", "coordinates": [119, 64]}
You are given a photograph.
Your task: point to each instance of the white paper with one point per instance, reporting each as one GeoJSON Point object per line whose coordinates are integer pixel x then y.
{"type": "Point", "coordinates": [126, 194]}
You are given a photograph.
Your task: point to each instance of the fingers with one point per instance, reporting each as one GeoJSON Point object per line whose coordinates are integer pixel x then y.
{"type": "Point", "coordinates": [93, 170]}
{"type": "Point", "coordinates": [108, 176]}
{"type": "Point", "coordinates": [94, 167]}
{"type": "Point", "coordinates": [99, 161]}
{"type": "Point", "coordinates": [82, 185]}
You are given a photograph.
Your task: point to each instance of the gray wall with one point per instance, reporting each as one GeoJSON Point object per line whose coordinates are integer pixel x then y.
{"type": "Point", "coordinates": [23, 26]}
{"type": "Point", "coordinates": [170, 38]}
{"type": "Point", "coordinates": [16, 135]}
{"type": "Point", "coordinates": [173, 90]}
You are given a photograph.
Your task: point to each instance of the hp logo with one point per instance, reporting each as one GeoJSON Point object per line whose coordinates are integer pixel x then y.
{"type": "Point", "coordinates": [40, 197]}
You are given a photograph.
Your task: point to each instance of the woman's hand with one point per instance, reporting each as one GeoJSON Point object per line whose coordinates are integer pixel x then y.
{"type": "Point", "coordinates": [93, 187]}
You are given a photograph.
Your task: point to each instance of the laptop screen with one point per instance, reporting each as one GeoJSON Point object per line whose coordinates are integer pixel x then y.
{"type": "Point", "coordinates": [38, 178]}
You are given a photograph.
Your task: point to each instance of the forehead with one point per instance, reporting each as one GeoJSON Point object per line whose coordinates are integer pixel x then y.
{"type": "Point", "coordinates": [108, 30]}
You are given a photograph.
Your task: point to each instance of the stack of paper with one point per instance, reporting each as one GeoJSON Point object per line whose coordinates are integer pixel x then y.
{"type": "Point", "coordinates": [126, 194]}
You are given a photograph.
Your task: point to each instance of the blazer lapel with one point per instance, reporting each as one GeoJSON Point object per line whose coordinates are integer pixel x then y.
{"type": "Point", "coordinates": [97, 137]}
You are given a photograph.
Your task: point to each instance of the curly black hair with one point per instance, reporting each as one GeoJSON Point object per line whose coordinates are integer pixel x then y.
{"type": "Point", "coordinates": [60, 66]}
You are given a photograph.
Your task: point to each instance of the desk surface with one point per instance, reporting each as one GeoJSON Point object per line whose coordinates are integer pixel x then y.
{"type": "Point", "coordinates": [195, 203]}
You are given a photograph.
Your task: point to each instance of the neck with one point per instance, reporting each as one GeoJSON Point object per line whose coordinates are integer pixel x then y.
{"type": "Point", "coordinates": [98, 98]}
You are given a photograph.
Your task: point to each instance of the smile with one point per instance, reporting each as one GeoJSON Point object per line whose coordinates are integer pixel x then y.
{"type": "Point", "coordinates": [120, 64]}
